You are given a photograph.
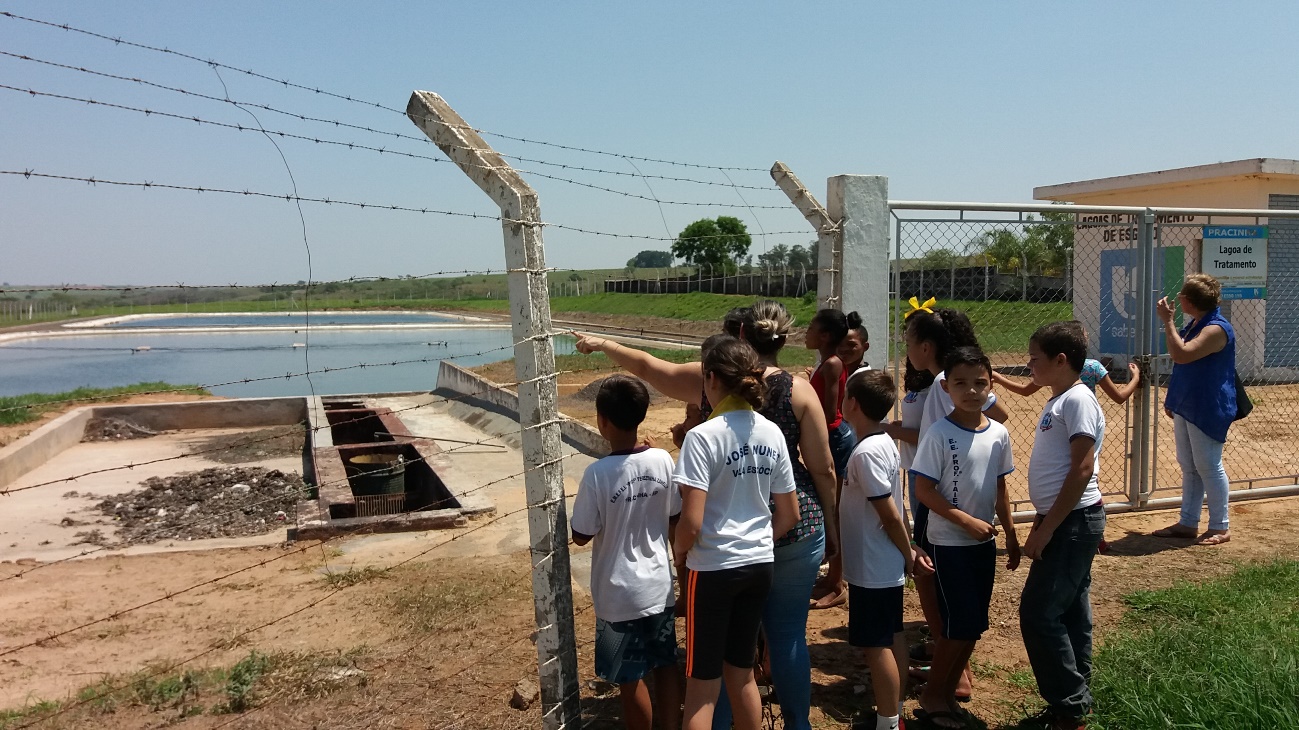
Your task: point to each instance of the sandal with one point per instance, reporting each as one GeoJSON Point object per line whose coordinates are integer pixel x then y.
{"type": "Point", "coordinates": [830, 600]}
{"type": "Point", "coordinates": [928, 718]}
{"type": "Point", "coordinates": [1174, 531]}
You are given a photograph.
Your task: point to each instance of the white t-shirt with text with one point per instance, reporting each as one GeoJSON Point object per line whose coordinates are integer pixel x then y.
{"type": "Point", "coordinates": [870, 559]}
{"type": "Point", "coordinates": [966, 465]}
{"type": "Point", "coordinates": [1065, 417]}
{"type": "Point", "coordinates": [740, 459]}
{"type": "Point", "coordinates": [625, 501]}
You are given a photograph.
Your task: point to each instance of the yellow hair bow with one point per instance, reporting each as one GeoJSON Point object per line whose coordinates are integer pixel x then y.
{"type": "Point", "coordinates": [916, 306]}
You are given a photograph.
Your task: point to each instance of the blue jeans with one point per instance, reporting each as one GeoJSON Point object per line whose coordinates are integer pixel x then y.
{"type": "Point", "coordinates": [842, 441]}
{"type": "Point", "coordinates": [1201, 460]}
{"type": "Point", "coordinates": [1055, 612]}
{"type": "Point", "coordinates": [784, 620]}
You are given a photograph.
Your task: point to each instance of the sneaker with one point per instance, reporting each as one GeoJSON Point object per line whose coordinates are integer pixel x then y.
{"type": "Point", "coordinates": [1048, 719]}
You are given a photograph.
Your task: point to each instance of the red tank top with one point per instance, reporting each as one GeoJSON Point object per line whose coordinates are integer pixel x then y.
{"type": "Point", "coordinates": [818, 384]}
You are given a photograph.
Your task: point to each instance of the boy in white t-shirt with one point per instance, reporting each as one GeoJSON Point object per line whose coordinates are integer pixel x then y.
{"type": "Point", "coordinates": [961, 466]}
{"type": "Point", "coordinates": [625, 503]}
{"type": "Point", "coordinates": [1055, 606]}
{"type": "Point", "coordinates": [877, 552]}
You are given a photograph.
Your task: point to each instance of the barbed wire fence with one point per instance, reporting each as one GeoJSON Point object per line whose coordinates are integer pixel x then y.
{"type": "Point", "coordinates": [534, 331]}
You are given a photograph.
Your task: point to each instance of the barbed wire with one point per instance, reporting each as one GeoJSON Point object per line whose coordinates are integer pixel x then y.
{"type": "Point", "coordinates": [344, 97]}
{"type": "Point", "coordinates": [338, 123]}
{"type": "Point", "coordinates": [358, 146]}
{"type": "Point", "coordinates": [31, 173]}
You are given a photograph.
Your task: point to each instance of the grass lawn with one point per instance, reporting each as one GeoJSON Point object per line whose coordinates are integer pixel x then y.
{"type": "Point", "coordinates": [1223, 654]}
{"type": "Point", "coordinates": [29, 407]}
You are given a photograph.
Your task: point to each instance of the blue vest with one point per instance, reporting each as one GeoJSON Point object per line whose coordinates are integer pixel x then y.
{"type": "Point", "coordinates": [1204, 392]}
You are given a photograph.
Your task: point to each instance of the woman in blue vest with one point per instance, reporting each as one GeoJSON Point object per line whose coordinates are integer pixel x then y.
{"type": "Point", "coordinates": [1201, 401]}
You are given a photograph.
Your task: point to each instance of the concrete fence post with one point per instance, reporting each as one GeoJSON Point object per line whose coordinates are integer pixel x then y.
{"type": "Point", "coordinates": [860, 204]}
{"type": "Point", "coordinates": [534, 367]}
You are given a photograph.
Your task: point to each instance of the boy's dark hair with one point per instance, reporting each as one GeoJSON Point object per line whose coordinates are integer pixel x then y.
{"type": "Point", "coordinates": [874, 391]}
{"type": "Point", "coordinates": [967, 356]}
{"type": "Point", "coordinates": [854, 323]}
{"type": "Point", "coordinates": [733, 322]}
{"type": "Point", "coordinates": [1062, 338]}
{"type": "Point", "coordinates": [833, 323]}
{"type": "Point", "coordinates": [623, 401]}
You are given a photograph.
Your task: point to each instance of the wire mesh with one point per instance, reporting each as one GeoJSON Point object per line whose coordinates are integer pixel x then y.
{"type": "Point", "coordinates": [1011, 275]}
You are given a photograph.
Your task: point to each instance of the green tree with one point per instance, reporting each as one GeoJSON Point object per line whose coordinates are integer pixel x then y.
{"type": "Point", "coordinates": [1012, 252]}
{"type": "Point", "coordinates": [650, 260]}
{"type": "Point", "coordinates": [1055, 236]}
{"type": "Point", "coordinates": [938, 258]}
{"type": "Point", "coordinates": [719, 243]}
{"type": "Point", "coordinates": [776, 257]}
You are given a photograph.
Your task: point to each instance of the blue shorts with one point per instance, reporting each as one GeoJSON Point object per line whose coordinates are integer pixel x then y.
{"type": "Point", "coordinates": [626, 651]}
{"type": "Point", "coordinates": [842, 442]}
{"type": "Point", "coordinates": [963, 576]}
{"type": "Point", "coordinates": [874, 615]}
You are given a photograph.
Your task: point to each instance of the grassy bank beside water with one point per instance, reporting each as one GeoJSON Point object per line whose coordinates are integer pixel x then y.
{"type": "Point", "coordinates": [29, 407]}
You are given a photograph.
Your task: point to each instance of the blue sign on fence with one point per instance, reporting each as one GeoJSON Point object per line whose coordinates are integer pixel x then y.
{"type": "Point", "coordinates": [1119, 291]}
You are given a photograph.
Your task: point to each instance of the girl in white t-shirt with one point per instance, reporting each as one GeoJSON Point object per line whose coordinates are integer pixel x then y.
{"type": "Point", "coordinates": [930, 336]}
{"type": "Point", "coordinates": [731, 467]}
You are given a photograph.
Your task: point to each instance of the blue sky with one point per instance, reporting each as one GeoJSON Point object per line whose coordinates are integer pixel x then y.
{"type": "Point", "coordinates": [969, 101]}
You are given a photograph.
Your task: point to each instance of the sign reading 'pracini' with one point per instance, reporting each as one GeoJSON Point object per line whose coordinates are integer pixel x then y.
{"type": "Point", "coordinates": [1237, 257]}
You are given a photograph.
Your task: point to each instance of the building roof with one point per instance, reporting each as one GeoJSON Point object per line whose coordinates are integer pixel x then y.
{"type": "Point", "coordinates": [1266, 166]}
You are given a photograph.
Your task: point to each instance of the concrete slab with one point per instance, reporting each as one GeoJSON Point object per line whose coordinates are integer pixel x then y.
{"type": "Point", "coordinates": [31, 523]}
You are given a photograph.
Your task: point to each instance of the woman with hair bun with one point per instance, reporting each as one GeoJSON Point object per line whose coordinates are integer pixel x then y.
{"type": "Point", "coordinates": [794, 407]}
{"type": "Point", "coordinates": [730, 468]}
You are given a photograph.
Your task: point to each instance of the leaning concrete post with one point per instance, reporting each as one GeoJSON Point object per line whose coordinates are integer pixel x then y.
{"type": "Point", "coordinates": [860, 203]}
{"type": "Point", "coordinates": [534, 367]}
{"type": "Point", "coordinates": [829, 241]}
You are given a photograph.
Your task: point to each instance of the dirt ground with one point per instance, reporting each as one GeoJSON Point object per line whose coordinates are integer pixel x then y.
{"type": "Point", "coordinates": [380, 636]}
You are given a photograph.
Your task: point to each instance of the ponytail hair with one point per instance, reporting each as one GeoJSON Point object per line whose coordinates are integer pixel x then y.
{"type": "Point", "coordinates": [736, 364]}
{"type": "Point", "coordinates": [946, 329]}
{"type": "Point", "coordinates": [834, 324]}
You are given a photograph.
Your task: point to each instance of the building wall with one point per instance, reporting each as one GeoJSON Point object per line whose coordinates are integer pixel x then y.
{"type": "Point", "coordinates": [1283, 294]}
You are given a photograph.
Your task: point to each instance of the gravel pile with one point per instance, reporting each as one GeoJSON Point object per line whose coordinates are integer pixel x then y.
{"type": "Point", "coordinates": [114, 429]}
{"type": "Point", "coordinates": [216, 502]}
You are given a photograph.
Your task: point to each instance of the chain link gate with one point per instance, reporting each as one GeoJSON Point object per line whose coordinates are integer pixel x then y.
{"type": "Point", "coordinates": [1012, 269]}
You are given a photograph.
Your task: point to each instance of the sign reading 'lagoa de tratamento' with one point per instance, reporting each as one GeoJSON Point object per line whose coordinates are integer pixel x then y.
{"type": "Point", "coordinates": [1237, 257]}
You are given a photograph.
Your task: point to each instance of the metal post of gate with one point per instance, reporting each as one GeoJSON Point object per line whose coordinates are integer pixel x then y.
{"type": "Point", "coordinates": [534, 367]}
{"type": "Point", "coordinates": [1139, 486]}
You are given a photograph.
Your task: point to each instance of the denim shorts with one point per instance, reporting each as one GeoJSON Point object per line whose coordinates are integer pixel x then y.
{"type": "Point", "coordinates": [626, 651]}
{"type": "Point", "coordinates": [842, 442]}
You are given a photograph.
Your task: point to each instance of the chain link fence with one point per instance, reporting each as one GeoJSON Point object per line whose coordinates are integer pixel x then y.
{"type": "Point", "coordinates": [1013, 270]}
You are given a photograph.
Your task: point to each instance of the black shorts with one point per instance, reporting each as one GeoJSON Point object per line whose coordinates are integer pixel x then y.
{"type": "Point", "coordinates": [874, 615]}
{"type": "Point", "coordinates": [723, 613]}
{"type": "Point", "coordinates": [963, 575]}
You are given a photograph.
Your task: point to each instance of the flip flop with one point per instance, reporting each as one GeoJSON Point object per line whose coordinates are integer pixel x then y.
{"type": "Point", "coordinates": [928, 718]}
{"type": "Point", "coordinates": [1169, 532]}
{"type": "Point", "coordinates": [834, 599]}
{"type": "Point", "coordinates": [1216, 538]}
{"type": "Point", "coordinates": [963, 699]}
